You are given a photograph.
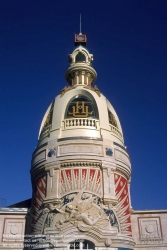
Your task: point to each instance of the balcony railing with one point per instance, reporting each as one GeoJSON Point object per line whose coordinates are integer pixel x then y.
{"type": "Point", "coordinates": [116, 131]}
{"type": "Point", "coordinates": [81, 122]}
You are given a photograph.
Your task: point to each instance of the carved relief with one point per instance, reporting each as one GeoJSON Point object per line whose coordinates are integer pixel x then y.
{"type": "Point", "coordinates": [149, 228]}
{"type": "Point", "coordinates": [83, 213]}
{"type": "Point", "coordinates": [14, 229]}
{"type": "Point", "coordinates": [77, 178]}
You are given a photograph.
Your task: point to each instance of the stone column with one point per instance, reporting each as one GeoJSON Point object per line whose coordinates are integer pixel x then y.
{"type": "Point", "coordinates": [109, 186]}
{"type": "Point", "coordinates": [56, 183]}
{"type": "Point", "coordinates": [80, 77]}
{"type": "Point", "coordinates": [52, 193]}
{"type": "Point", "coordinates": [48, 184]}
{"type": "Point", "coordinates": [129, 193]}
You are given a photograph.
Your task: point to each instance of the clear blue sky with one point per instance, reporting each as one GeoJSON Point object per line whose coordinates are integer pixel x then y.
{"type": "Point", "coordinates": [129, 43]}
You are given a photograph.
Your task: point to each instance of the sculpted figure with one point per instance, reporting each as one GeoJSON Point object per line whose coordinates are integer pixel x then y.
{"type": "Point", "coordinates": [75, 214]}
{"type": "Point", "coordinates": [83, 212]}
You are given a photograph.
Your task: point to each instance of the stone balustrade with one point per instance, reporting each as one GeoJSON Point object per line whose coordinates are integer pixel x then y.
{"type": "Point", "coordinates": [81, 122]}
{"type": "Point", "coordinates": [116, 131]}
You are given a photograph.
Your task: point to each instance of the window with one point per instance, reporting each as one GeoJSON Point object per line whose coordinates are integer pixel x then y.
{"type": "Point", "coordinates": [80, 57]}
{"type": "Point", "coordinates": [112, 119]}
{"type": "Point", "coordinates": [81, 107]}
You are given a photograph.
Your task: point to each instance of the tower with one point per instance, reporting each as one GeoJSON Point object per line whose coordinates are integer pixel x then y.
{"type": "Point", "coordinates": [80, 168]}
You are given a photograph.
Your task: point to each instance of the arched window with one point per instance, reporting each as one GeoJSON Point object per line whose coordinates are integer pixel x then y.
{"type": "Point", "coordinates": [112, 119]}
{"type": "Point", "coordinates": [80, 57]}
{"type": "Point", "coordinates": [81, 106]}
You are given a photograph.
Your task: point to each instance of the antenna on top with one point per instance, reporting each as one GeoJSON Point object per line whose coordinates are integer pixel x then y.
{"type": "Point", "coordinates": [80, 39]}
{"type": "Point", "coordinates": [80, 26]}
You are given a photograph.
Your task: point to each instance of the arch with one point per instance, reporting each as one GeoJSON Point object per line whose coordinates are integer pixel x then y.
{"type": "Point", "coordinates": [112, 119]}
{"type": "Point", "coordinates": [80, 106]}
{"type": "Point", "coordinates": [80, 57]}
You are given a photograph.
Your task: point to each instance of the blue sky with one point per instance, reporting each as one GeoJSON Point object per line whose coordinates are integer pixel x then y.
{"type": "Point", "coordinates": [128, 40]}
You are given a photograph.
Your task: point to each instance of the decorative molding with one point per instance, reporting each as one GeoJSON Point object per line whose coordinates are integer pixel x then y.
{"type": "Point", "coordinates": [88, 179]}
{"type": "Point", "coordinates": [121, 156]}
{"type": "Point", "coordinates": [118, 145]}
{"type": "Point", "coordinates": [1, 226]}
{"type": "Point", "coordinates": [79, 138]}
{"type": "Point", "coordinates": [65, 89]}
{"type": "Point", "coordinates": [149, 227]}
{"type": "Point", "coordinates": [95, 89]}
{"type": "Point", "coordinates": [82, 164]}
{"type": "Point", "coordinates": [14, 229]}
{"type": "Point", "coordinates": [124, 171]}
{"type": "Point", "coordinates": [111, 165]}
{"type": "Point", "coordinates": [55, 165]}
{"type": "Point", "coordinates": [39, 147]}
{"type": "Point", "coordinates": [39, 157]}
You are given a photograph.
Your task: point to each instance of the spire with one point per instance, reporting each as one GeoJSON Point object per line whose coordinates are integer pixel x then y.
{"type": "Point", "coordinates": [80, 26]}
{"type": "Point", "coordinates": [80, 39]}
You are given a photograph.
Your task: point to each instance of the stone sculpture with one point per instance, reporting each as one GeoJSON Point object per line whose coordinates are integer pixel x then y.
{"type": "Point", "coordinates": [82, 213]}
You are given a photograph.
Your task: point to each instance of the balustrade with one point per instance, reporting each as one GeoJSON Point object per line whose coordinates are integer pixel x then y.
{"type": "Point", "coordinates": [116, 131]}
{"type": "Point", "coordinates": [80, 122]}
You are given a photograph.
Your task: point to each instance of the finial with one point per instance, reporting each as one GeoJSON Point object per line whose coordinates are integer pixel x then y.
{"type": "Point", "coordinates": [80, 26]}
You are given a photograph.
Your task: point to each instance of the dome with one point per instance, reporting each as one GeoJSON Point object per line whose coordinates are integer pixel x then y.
{"type": "Point", "coordinates": [80, 112]}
